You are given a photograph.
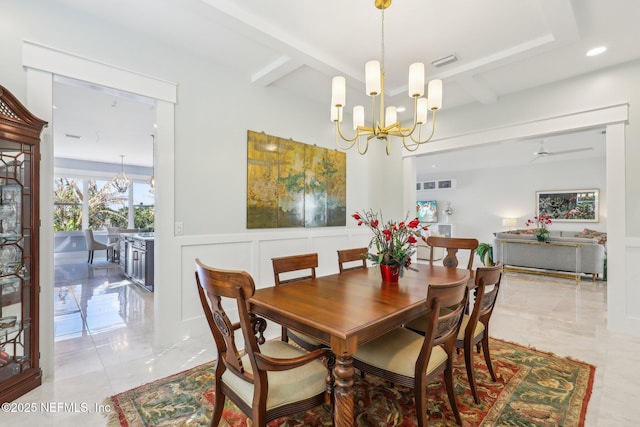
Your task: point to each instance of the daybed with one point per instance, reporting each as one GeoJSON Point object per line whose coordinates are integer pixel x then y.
{"type": "Point", "coordinates": [567, 253]}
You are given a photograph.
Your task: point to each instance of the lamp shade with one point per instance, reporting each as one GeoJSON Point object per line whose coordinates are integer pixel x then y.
{"type": "Point", "coordinates": [338, 91]}
{"type": "Point", "coordinates": [358, 116]}
{"type": "Point", "coordinates": [416, 80]}
{"type": "Point", "coordinates": [336, 114]}
{"type": "Point", "coordinates": [390, 116]}
{"type": "Point", "coordinates": [372, 77]}
{"type": "Point", "coordinates": [435, 94]}
{"type": "Point", "coordinates": [508, 222]}
{"type": "Point", "coordinates": [423, 111]}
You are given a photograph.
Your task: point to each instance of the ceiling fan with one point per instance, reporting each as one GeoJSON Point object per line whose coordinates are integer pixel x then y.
{"type": "Point", "coordinates": [543, 152]}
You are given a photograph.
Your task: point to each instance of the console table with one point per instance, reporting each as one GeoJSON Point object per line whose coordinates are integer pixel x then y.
{"type": "Point", "coordinates": [572, 249]}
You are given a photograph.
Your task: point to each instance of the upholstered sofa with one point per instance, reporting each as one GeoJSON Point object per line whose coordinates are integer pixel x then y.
{"type": "Point", "coordinates": [423, 250]}
{"type": "Point", "coordinates": [568, 252]}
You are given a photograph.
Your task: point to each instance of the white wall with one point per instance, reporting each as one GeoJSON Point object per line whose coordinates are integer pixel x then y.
{"type": "Point", "coordinates": [482, 197]}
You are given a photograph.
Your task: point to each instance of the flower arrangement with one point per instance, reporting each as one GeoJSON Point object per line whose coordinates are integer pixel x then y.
{"type": "Point", "coordinates": [394, 241]}
{"type": "Point", "coordinates": [541, 222]}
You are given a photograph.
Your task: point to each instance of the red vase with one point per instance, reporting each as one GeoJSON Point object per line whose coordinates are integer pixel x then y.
{"type": "Point", "coordinates": [390, 273]}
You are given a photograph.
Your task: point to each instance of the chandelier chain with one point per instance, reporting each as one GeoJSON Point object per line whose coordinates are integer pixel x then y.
{"type": "Point", "coordinates": [382, 32]}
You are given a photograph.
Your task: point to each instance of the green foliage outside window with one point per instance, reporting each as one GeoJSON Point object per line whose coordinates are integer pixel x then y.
{"type": "Point", "coordinates": [143, 217]}
{"type": "Point", "coordinates": [107, 206]}
{"type": "Point", "coordinates": [67, 208]}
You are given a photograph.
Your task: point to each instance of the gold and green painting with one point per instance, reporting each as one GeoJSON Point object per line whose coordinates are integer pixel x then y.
{"type": "Point", "coordinates": [291, 184]}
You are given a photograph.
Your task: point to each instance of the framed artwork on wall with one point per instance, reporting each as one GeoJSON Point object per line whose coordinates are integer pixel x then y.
{"type": "Point", "coordinates": [292, 184]}
{"type": "Point", "coordinates": [427, 211]}
{"type": "Point", "coordinates": [568, 205]}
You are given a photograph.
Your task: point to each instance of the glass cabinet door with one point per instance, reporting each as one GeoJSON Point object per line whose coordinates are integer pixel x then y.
{"type": "Point", "coordinates": [15, 257]}
{"type": "Point", "coordinates": [19, 225]}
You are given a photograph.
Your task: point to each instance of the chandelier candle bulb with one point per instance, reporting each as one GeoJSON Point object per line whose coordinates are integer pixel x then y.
{"type": "Point", "coordinates": [390, 116]}
{"type": "Point", "coordinates": [336, 114]}
{"type": "Point", "coordinates": [422, 111]}
{"type": "Point", "coordinates": [372, 77]}
{"type": "Point", "coordinates": [358, 116]}
{"type": "Point", "coordinates": [338, 91]}
{"type": "Point", "coordinates": [416, 80]}
{"type": "Point", "coordinates": [435, 94]}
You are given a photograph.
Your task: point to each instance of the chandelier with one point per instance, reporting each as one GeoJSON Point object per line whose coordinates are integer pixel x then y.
{"type": "Point", "coordinates": [387, 123]}
{"type": "Point", "coordinates": [120, 182]}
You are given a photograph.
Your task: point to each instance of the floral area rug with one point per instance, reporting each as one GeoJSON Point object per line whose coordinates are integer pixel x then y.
{"type": "Point", "coordinates": [533, 389]}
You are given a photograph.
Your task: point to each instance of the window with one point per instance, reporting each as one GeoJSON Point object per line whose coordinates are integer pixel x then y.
{"type": "Point", "coordinates": [106, 206]}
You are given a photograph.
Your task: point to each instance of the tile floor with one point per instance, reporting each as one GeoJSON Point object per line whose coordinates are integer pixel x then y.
{"type": "Point", "coordinates": [104, 342]}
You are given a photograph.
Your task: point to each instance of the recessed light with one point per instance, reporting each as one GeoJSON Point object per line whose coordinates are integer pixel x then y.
{"type": "Point", "coordinates": [401, 109]}
{"type": "Point", "coordinates": [596, 51]}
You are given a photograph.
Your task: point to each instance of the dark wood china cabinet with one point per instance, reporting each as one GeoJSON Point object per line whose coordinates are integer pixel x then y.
{"type": "Point", "coordinates": [19, 231]}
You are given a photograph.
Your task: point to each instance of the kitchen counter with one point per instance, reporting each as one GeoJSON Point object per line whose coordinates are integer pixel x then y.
{"type": "Point", "coordinates": [137, 258]}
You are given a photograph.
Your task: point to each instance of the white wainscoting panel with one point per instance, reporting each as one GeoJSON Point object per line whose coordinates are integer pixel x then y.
{"type": "Point", "coordinates": [252, 253]}
{"type": "Point", "coordinates": [226, 255]}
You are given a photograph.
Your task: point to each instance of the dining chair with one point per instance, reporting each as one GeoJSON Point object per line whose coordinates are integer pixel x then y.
{"type": "Point", "coordinates": [475, 326]}
{"type": "Point", "coordinates": [266, 381]}
{"type": "Point", "coordinates": [94, 245]}
{"type": "Point", "coordinates": [404, 357]}
{"type": "Point", "coordinates": [290, 269]}
{"type": "Point", "coordinates": [452, 245]}
{"type": "Point", "coordinates": [113, 238]}
{"type": "Point", "coordinates": [350, 257]}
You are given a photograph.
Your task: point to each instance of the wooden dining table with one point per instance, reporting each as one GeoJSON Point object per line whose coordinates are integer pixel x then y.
{"type": "Point", "coordinates": [348, 309]}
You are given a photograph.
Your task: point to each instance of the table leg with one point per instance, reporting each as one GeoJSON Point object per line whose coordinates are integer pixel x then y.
{"type": "Point", "coordinates": [343, 371]}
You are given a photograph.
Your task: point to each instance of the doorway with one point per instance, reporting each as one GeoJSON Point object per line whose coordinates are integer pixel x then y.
{"type": "Point", "coordinates": [41, 64]}
{"type": "Point", "coordinates": [96, 301]}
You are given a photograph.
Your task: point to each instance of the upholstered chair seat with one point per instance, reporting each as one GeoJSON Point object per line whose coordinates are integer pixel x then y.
{"type": "Point", "coordinates": [397, 351]}
{"type": "Point", "coordinates": [478, 330]}
{"type": "Point", "coordinates": [285, 387]}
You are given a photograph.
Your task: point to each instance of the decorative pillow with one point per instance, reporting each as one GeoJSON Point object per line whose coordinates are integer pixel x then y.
{"type": "Point", "coordinates": [593, 234]}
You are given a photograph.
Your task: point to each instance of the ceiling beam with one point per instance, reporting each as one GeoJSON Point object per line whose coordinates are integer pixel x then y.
{"type": "Point", "coordinates": [275, 71]}
{"type": "Point", "coordinates": [263, 32]}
